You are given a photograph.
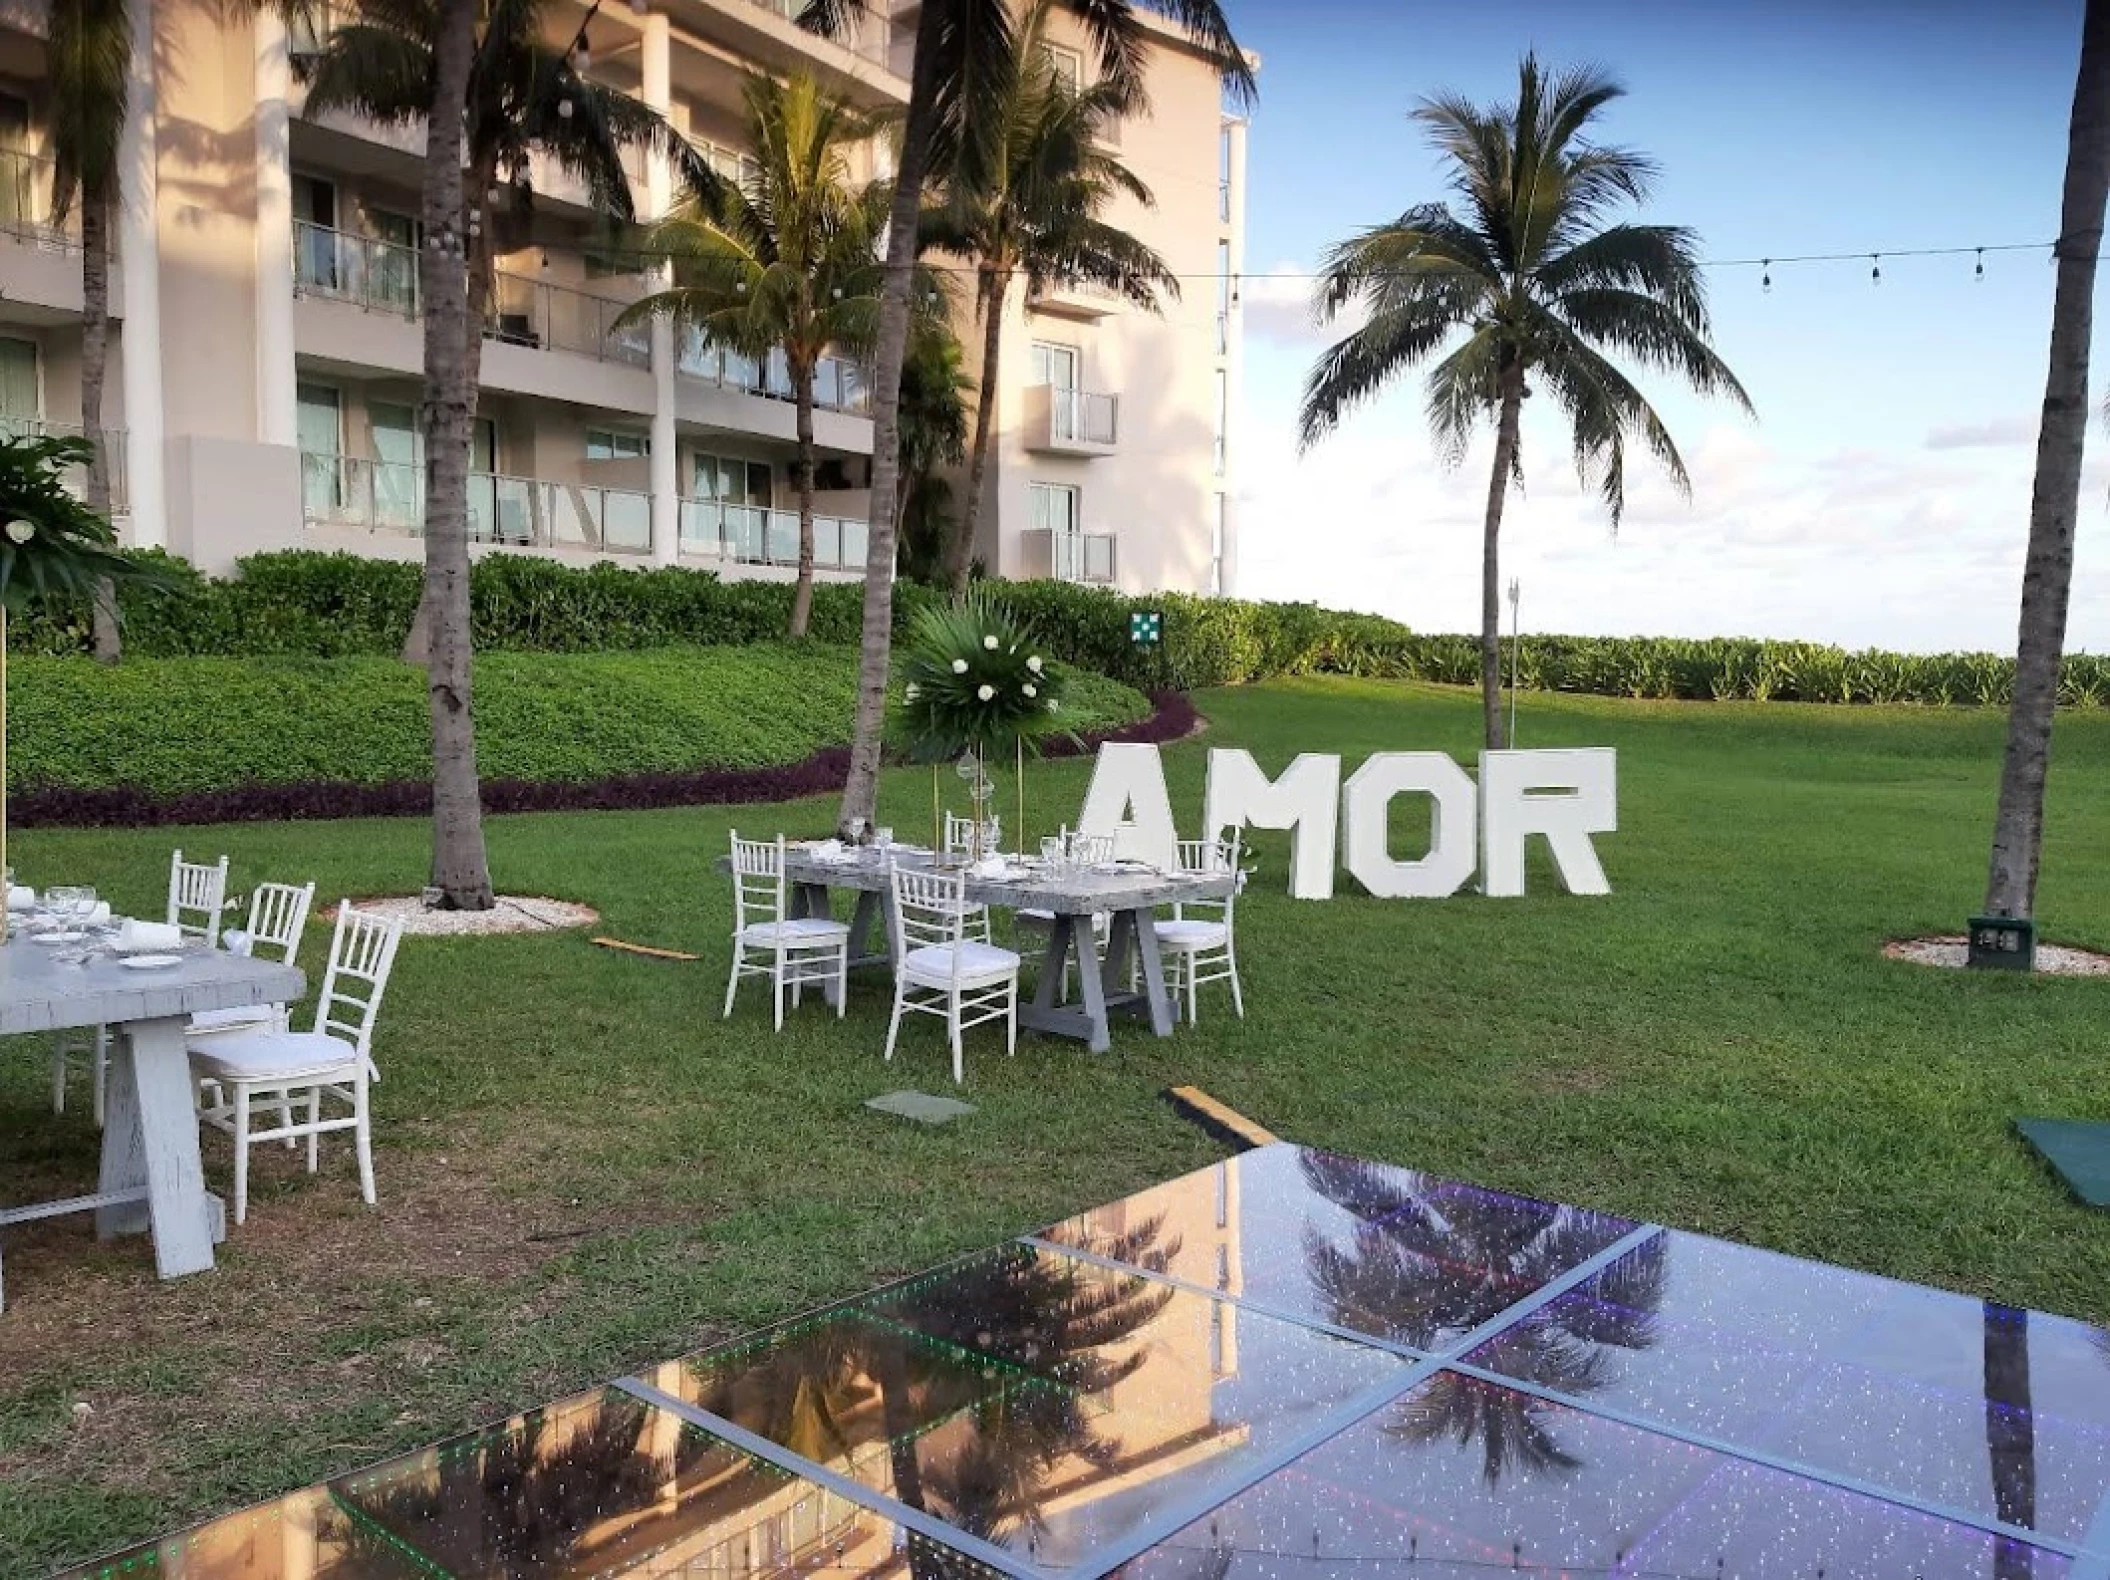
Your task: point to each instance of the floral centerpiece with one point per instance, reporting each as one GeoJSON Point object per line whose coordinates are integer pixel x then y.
{"type": "Point", "coordinates": [976, 688]}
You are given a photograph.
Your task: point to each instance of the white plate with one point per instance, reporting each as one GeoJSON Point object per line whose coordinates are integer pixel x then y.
{"type": "Point", "coordinates": [148, 962]}
{"type": "Point", "coordinates": [57, 938]}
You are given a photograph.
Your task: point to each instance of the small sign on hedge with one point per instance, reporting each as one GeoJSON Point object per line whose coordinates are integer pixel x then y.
{"type": "Point", "coordinates": [1146, 627]}
{"type": "Point", "coordinates": [2002, 943]}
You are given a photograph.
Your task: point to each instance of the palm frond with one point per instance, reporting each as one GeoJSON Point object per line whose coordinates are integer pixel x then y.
{"type": "Point", "coordinates": [1462, 390]}
{"type": "Point", "coordinates": [1604, 408]}
{"type": "Point", "coordinates": [1354, 369]}
{"type": "Point", "coordinates": [90, 52]}
{"type": "Point", "coordinates": [1653, 333]}
{"type": "Point", "coordinates": [370, 71]}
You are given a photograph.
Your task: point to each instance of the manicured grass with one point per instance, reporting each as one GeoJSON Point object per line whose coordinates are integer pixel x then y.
{"type": "Point", "coordinates": [583, 1169]}
{"type": "Point", "coordinates": [177, 725]}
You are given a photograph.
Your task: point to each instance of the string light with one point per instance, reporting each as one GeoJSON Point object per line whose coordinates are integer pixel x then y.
{"type": "Point", "coordinates": [1765, 281]}
{"type": "Point", "coordinates": [1875, 272]}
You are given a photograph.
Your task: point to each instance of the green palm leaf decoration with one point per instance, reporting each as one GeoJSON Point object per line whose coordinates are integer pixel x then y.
{"type": "Point", "coordinates": [975, 683]}
{"type": "Point", "coordinates": [51, 545]}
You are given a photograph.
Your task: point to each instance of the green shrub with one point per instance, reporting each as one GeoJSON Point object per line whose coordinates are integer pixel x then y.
{"type": "Point", "coordinates": [171, 726]}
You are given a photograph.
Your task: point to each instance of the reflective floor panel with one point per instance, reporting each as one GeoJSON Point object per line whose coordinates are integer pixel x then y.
{"type": "Point", "coordinates": [1041, 1403]}
{"type": "Point", "coordinates": [1406, 1257]}
{"type": "Point", "coordinates": [1466, 1478]}
{"type": "Point", "coordinates": [597, 1485]}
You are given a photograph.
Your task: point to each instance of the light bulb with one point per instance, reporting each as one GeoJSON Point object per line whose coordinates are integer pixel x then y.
{"type": "Point", "coordinates": [564, 109]}
{"type": "Point", "coordinates": [582, 56]}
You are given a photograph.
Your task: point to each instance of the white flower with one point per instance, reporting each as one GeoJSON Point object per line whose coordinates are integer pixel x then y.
{"type": "Point", "coordinates": [990, 642]}
{"type": "Point", "coordinates": [959, 666]}
{"type": "Point", "coordinates": [1033, 662]}
{"type": "Point", "coordinates": [986, 693]}
{"type": "Point", "coordinates": [1054, 706]}
{"type": "Point", "coordinates": [911, 692]}
{"type": "Point", "coordinates": [1031, 691]}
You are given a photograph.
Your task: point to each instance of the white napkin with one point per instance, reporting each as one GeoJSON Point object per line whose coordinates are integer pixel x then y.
{"type": "Point", "coordinates": [990, 867]}
{"type": "Point", "coordinates": [829, 850]}
{"type": "Point", "coordinates": [21, 898]}
{"type": "Point", "coordinates": [99, 917]}
{"type": "Point", "coordinates": [236, 941]}
{"type": "Point", "coordinates": [139, 938]}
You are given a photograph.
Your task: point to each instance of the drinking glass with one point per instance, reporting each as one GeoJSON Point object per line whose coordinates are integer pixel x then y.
{"type": "Point", "coordinates": [1052, 853]}
{"type": "Point", "coordinates": [61, 901]}
{"type": "Point", "coordinates": [883, 837]}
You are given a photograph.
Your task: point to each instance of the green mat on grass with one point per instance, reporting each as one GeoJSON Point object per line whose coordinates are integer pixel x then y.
{"type": "Point", "coordinates": [2078, 1151]}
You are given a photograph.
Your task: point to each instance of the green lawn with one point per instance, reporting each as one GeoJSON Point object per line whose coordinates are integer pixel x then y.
{"type": "Point", "coordinates": [583, 1169]}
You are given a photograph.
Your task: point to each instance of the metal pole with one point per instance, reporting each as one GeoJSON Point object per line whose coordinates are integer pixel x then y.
{"type": "Point", "coordinates": [1516, 637]}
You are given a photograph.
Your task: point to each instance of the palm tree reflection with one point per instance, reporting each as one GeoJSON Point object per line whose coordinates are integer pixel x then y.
{"type": "Point", "coordinates": [1424, 1266]}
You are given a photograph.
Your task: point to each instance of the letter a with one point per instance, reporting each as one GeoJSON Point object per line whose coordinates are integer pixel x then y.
{"type": "Point", "coordinates": [1128, 786]}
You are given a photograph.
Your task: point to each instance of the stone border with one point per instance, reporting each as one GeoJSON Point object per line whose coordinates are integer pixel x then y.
{"type": "Point", "coordinates": [514, 913]}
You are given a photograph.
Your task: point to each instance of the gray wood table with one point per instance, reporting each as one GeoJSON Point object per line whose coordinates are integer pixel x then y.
{"type": "Point", "coordinates": [1130, 895]}
{"type": "Point", "coordinates": [151, 1178]}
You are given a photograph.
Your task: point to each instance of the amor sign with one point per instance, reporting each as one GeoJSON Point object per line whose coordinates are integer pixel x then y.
{"type": "Point", "coordinates": [1566, 796]}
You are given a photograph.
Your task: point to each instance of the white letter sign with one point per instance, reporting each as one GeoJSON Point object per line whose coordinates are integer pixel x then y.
{"type": "Point", "coordinates": [1566, 796]}
{"type": "Point", "coordinates": [1128, 786]}
{"type": "Point", "coordinates": [1453, 825]}
{"type": "Point", "coordinates": [1306, 799]}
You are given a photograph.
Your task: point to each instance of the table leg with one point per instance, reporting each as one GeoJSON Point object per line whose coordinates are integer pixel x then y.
{"type": "Point", "coordinates": [150, 1137]}
{"type": "Point", "coordinates": [1143, 927]}
{"type": "Point", "coordinates": [871, 907]}
{"type": "Point", "coordinates": [1091, 984]}
{"type": "Point", "coordinates": [1049, 985]}
{"type": "Point", "coordinates": [807, 899]}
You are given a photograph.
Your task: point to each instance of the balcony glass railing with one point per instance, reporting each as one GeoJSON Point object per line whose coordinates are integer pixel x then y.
{"type": "Point", "coordinates": [1082, 556]}
{"type": "Point", "coordinates": [757, 535]}
{"type": "Point", "coordinates": [1081, 416]}
{"type": "Point", "coordinates": [838, 384]}
{"type": "Point", "coordinates": [530, 312]}
{"type": "Point", "coordinates": [76, 477]}
{"type": "Point", "coordinates": [381, 276]}
{"type": "Point", "coordinates": [516, 512]}
{"type": "Point", "coordinates": [867, 30]}
{"type": "Point", "coordinates": [25, 202]}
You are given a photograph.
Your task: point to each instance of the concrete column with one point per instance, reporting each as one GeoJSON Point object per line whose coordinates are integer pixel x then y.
{"type": "Point", "coordinates": [139, 244]}
{"type": "Point", "coordinates": [656, 67]}
{"type": "Point", "coordinates": [1234, 362]}
{"type": "Point", "coordinates": [276, 386]}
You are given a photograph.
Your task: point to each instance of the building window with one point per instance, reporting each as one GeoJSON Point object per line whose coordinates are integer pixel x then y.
{"type": "Point", "coordinates": [1053, 508]}
{"type": "Point", "coordinates": [1223, 173]}
{"type": "Point", "coordinates": [1219, 532]}
{"type": "Point", "coordinates": [1223, 298]}
{"type": "Point", "coordinates": [1223, 417]}
{"type": "Point", "coordinates": [21, 388]}
{"type": "Point", "coordinates": [614, 444]}
{"type": "Point", "coordinates": [1066, 66]}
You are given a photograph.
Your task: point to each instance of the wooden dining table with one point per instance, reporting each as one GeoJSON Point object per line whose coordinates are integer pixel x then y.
{"type": "Point", "coordinates": [151, 1178]}
{"type": "Point", "coordinates": [1129, 892]}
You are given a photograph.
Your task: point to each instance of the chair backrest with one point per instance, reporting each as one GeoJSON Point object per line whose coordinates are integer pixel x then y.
{"type": "Point", "coordinates": [959, 834]}
{"type": "Point", "coordinates": [758, 880]}
{"type": "Point", "coordinates": [930, 909]}
{"type": "Point", "coordinates": [197, 898]}
{"type": "Point", "coordinates": [278, 915]}
{"type": "Point", "coordinates": [1210, 858]}
{"type": "Point", "coordinates": [1089, 849]}
{"type": "Point", "coordinates": [362, 953]}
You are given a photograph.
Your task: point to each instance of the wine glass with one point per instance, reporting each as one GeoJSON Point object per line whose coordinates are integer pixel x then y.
{"type": "Point", "coordinates": [61, 901]}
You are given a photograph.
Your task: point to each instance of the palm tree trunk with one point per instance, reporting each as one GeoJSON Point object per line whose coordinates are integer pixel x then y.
{"type": "Point", "coordinates": [95, 362]}
{"type": "Point", "coordinates": [861, 786]}
{"type": "Point", "coordinates": [802, 402]}
{"type": "Point", "coordinates": [2047, 570]}
{"type": "Point", "coordinates": [460, 871]}
{"type": "Point", "coordinates": [990, 291]}
{"type": "Point", "coordinates": [1512, 403]}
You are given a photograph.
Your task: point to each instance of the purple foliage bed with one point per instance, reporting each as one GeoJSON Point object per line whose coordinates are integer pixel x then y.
{"type": "Point", "coordinates": [1172, 717]}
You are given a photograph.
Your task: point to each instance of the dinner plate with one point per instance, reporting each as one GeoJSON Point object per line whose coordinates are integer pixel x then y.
{"type": "Point", "coordinates": [149, 962]}
{"type": "Point", "coordinates": [57, 938]}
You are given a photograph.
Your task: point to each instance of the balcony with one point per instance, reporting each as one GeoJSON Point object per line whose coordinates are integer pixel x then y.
{"type": "Point", "coordinates": [26, 207]}
{"type": "Point", "coordinates": [1079, 299]}
{"type": "Point", "coordinates": [1071, 422]}
{"type": "Point", "coordinates": [507, 512]}
{"type": "Point", "coordinates": [756, 535]}
{"type": "Point", "coordinates": [535, 313]}
{"type": "Point", "coordinates": [838, 384]}
{"type": "Point", "coordinates": [379, 276]}
{"type": "Point", "coordinates": [1067, 556]}
{"type": "Point", "coordinates": [76, 477]}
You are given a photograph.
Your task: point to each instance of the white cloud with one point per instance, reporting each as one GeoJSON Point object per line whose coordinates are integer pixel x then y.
{"type": "Point", "coordinates": [1993, 433]}
{"type": "Point", "coordinates": [1278, 308]}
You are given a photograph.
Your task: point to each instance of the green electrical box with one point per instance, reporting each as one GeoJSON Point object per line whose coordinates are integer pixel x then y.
{"type": "Point", "coordinates": [1146, 627]}
{"type": "Point", "coordinates": [2003, 943]}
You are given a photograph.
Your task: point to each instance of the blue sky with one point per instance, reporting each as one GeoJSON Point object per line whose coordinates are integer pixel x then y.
{"type": "Point", "coordinates": [1882, 494]}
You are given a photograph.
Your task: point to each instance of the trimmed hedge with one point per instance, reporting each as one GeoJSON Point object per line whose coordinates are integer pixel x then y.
{"type": "Point", "coordinates": [173, 727]}
{"type": "Point", "coordinates": [304, 604]}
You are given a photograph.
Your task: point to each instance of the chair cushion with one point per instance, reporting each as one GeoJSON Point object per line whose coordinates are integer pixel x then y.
{"type": "Point", "coordinates": [257, 1055]}
{"type": "Point", "coordinates": [979, 963]}
{"type": "Point", "coordinates": [1193, 934]}
{"type": "Point", "coordinates": [208, 1021]}
{"type": "Point", "coordinates": [805, 932]}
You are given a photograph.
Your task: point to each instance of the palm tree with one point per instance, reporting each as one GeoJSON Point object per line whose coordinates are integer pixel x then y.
{"type": "Point", "coordinates": [785, 261]}
{"type": "Point", "coordinates": [962, 65]}
{"type": "Point", "coordinates": [490, 93]}
{"type": "Point", "coordinates": [1033, 210]}
{"type": "Point", "coordinates": [2047, 569]}
{"type": "Point", "coordinates": [91, 60]}
{"type": "Point", "coordinates": [933, 403]}
{"type": "Point", "coordinates": [1541, 286]}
